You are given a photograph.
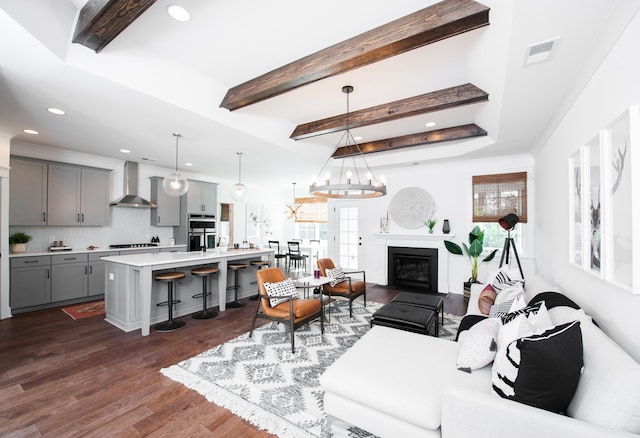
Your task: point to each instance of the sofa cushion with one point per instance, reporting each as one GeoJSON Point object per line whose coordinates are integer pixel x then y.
{"type": "Point", "coordinates": [486, 299]}
{"type": "Point", "coordinates": [417, 369]}
{"type": "Point", "coordinates": [505, 278]}
{"type": "Point", "coordinates": [336, 273]}
{"type": "Point", "coordinates": [542, 370]}
{"type": "Point", "coordinates": [478, 345]}
{"type": "Point", "coordinates": [608, 393]}
{"type": "Point", "coordinates": [553, 299]}
{"type": "Point", "coordinates": [285, 288]}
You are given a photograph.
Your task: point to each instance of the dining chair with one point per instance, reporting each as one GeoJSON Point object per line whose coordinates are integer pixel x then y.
{"type": "Point", "coordinates": [295, 255]}
{"type": "Point", "coordinates": [292, 310]}
{"type": "Point", "coordinates": [346, 287]}
{"type": "Point", "coordinates": [274, 244]}
{"type": "Point", "coordinates": [315, 244]}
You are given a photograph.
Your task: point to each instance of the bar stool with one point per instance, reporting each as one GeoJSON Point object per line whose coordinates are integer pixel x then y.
{"type": "Point", "coordinates": [260, 264]}
{"type": "Point", "coordinates": [204, 272]}
{"type": "Point", "coordinates": [236, 267]}
{"type": "Point", "coordinates": [170, 278]}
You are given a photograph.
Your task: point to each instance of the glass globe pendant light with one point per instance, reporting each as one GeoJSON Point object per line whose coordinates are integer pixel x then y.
{"type": "Point", "coordinates": [175, 184]}
{"type": "Point", "coordinates": [239, 191]}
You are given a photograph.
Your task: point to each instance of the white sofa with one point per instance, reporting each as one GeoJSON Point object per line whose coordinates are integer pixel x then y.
{"type": "Point", "coordinates": [394, 383]}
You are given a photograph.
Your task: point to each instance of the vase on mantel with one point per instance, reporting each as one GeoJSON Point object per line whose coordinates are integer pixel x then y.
{"type": "Point", "coordinates": [445, 226]}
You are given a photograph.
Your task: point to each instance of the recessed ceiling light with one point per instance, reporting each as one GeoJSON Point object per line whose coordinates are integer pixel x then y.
{"type": "Point", "coordinates": [178, 13]}
{"type": "Point", "coordinates": [188, 164]}
{"type": "Point", "coordinates": [31, 131]}
{"type": "Point", "coordinates": [125, 151]}
{"type": "Point", "coordinates": [357, 138]}
{"type": "Point", "coordinates": [56, 111]}
{"type": "Point", "coordinates": [430, 124]}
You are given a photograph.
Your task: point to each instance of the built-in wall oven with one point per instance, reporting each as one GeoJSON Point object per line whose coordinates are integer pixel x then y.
{"type": "Point", "coordinates": [202, 232]}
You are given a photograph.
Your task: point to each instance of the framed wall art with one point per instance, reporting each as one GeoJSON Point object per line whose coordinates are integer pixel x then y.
{"type": "Point", "coordinates": [604, 220]}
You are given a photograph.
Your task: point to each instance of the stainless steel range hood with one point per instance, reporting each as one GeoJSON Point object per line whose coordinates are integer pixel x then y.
{"type": "Point", "coordinates": [131, 198]}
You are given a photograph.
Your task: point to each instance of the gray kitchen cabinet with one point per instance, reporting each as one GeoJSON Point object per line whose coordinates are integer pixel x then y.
{"type": "Point", "coordinates": [69, 273]}
{"type": "Point", "coordinates": [97, 272]}
{"type": "Point", "coordinates": [30, 281]}
{"type": "Point", "coordinates": [168, 212]}
{"type": "Point", "coordinates": [77, 196]}
{"type": "Point", "coordinates": [202, 197]}
{"type": "Point", "coordinates": [28, 192]}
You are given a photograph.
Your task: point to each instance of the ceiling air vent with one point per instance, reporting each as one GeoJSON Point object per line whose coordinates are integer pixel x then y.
{"type": "Point", "coordinates": [539, 52]}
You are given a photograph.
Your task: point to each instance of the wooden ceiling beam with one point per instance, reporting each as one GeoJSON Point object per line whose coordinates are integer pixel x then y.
{"type": "Point", "coordinates": [420, 139]}
{"type": "Point", "coordinates": [100, 21]}
{"type": "Point", "coordinates": [435, 101]}
{"type": "Point", "coordinates": [434, 23]}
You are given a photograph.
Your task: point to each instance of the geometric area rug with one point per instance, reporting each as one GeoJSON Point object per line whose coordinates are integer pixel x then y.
{"type": "Point", "coordinates": [260, 380]}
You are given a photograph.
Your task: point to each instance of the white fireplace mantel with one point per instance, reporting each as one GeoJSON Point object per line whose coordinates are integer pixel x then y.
{"type": "Point", "coordinates": [425, 240]}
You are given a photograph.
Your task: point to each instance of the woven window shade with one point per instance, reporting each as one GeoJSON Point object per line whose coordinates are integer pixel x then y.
{"type": "Point", "coordinates": [312, 210]}
{"type": "Point", "coordinates": [495, 196]}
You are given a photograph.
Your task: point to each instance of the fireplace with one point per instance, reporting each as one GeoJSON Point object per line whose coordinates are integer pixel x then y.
{"type": "Point", "coordinates": [413, 269]}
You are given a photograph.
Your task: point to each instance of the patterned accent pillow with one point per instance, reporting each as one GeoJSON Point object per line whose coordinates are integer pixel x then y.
{"type": "Point", "coordinates": [336, 273]}
{"type": "Point", "coordinates": [478, 345]}
{"type": "Point", "coordinates": [503, 280]}
{"type": "Point", "coordinates": [542, 370]}
{"type": "Point", "coordinates": [510, 316]}
{"type": "Point", "coordinates": [283, 288]}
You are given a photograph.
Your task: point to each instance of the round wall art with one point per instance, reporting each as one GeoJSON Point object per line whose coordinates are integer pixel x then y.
{"type": "Point", "coordinates": [410, 207]}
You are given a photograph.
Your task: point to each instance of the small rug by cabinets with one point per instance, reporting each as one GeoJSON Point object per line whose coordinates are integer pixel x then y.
{"type": "Point", "coordinates": [260, 380]}
{"type": "Point", "coordinates": [85, 310]}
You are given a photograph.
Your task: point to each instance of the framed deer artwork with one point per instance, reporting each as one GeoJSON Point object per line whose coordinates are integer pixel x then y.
{"type": "Point", "coordinates": [604, 219]}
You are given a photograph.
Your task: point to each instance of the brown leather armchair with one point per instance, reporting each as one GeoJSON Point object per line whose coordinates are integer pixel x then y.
{"type": "Point", "coordinates": [348, 288]}
{"type": "Point", "coordinates": [295, 311]}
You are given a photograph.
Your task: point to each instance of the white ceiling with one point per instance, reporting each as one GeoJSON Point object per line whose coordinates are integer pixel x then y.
{"type": "Point", "coordinates": [160, 76]}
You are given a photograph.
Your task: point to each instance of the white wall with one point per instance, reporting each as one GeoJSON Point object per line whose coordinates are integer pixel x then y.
{"type": "Point", "coordinates": [449, 184]}
{"type": "Point", "coordinates": [613, 88]}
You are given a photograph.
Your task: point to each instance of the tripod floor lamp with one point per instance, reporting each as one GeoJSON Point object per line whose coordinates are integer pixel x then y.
{"type": "Point", "coordinates": [508, 222]}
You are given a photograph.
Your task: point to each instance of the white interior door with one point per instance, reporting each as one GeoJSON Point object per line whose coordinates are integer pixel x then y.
{"type": "Point", "coordinates": [349, 242]}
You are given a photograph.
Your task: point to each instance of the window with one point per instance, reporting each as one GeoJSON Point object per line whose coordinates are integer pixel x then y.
{"type": "Point", "coordinates": [495, 196]}
{"type": "Point", "coordinates": [312, 210]}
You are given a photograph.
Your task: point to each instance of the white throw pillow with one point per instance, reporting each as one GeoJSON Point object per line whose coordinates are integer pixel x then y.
{"type": "Point", "coordinates": [509, 299]}
{"type": "Point", "coordinates": [478, 345]}
{"type": "Point", "coordinates": [336, 273]}
{"type": "Point", "coordinates": [505, 278]}
{"type": "Point", "coordinates": [283, 288]}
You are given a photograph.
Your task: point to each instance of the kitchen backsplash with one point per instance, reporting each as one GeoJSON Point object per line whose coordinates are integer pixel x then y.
{"type": "Point", "coordinates": [128, 225]}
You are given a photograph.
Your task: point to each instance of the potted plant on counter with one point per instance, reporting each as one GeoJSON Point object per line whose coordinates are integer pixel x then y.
{"type": "Point", "coordinates": [431, 223]}
{"type": "Point", "coordinates": [18, 241]}
{"type": "Point", "coordinates": [473, 251]}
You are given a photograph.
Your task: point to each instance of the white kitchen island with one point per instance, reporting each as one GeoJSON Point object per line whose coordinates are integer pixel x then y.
{"type": "Point", "coordinates": [132, 295]}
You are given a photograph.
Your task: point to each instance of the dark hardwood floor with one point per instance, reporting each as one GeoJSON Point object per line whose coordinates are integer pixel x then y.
{"type": "Point", "coordinates": [60, 377]}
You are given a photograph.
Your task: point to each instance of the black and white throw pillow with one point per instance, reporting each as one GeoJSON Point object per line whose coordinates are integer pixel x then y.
{"type": "Point", "coordinates": [336, 273]}
{"type": "Point", "coordinates": [503, 280]}
{"type": "Point", "coordinates": [506, 317]}
{"type": "Point", "coordinates": [285, 288]}
{"type": "Point", "coordinates": [541, 370]}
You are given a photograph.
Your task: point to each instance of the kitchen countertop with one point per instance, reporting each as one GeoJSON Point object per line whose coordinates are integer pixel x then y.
{"type": "Point", "coordinates": [85, 251]}
{"type": "Point", "coordinates": [180, 257]}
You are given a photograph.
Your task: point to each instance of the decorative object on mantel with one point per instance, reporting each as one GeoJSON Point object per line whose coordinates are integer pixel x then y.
{"type": "Point", "coordinates": [472, 251]}
{"type": "Point", "coordinates": [175, 184]}
{"type": "Point", "coordinates": [239, 191]}
{"type": "Point", "coordinates": [431, 223]}
{"type": "Point", "coordinates": [18, 241]}
{"type": "Point", "coordinates": [445, 226]}
{"type": "Point", "coordinates": [346, 189]}
{"type": "Point", "coordinates": [384, 224]}
{"type": "Point", "coordinates": [410, 206]}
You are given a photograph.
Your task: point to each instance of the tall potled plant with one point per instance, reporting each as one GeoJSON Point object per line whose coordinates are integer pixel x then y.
{"type": "Point", "coordinates": [473, 251]}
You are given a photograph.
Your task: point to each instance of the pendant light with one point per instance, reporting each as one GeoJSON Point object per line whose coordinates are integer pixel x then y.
{"type": "Point", "coordinates": [175, 184]}
{"type": "Point", "coordinates": [239, 192]}
{"type": "Point", "coordinates": [352, 185]}
{"type": "Point", "coordinates": [293, 209]}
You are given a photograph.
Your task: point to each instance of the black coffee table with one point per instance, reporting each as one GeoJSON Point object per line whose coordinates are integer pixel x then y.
{"type": "Point", "coordinates": [433, 302]}
{"type": "Point", "coordinates": [406, 317]}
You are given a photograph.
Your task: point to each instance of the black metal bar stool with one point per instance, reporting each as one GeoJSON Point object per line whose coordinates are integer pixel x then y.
{"type": "Point", "coordinates": [170, 278]}
{"type": "Point", "coordinates": [259, 264]}
{"type": "Point", "coordinates": [205, 273]}
{"type": "Point", "coordinates": [236, 267]}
